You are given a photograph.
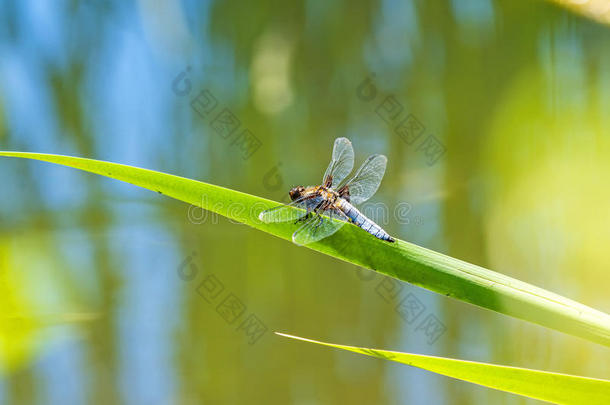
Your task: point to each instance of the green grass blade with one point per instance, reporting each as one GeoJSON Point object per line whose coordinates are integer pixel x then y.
{"type": "Point", "coordinates": [543, 385]}
{"type": "Point", "coordinates": [402, 260]}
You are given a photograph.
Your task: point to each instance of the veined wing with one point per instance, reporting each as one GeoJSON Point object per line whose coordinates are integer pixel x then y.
{"type": "Point", "coordinates": [341, 164]}
{"type": "Point", "coordinates": [318, 227]}
{"type": "Point", "coordinates": [367, 179]}
{"type": "Point", "coordinates": [288, 212]}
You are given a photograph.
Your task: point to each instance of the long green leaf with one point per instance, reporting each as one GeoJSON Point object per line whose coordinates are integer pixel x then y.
{"type": "Point", "coordinates": [402, 260]}
{"type": "Point", "coordinates": [544, 385]}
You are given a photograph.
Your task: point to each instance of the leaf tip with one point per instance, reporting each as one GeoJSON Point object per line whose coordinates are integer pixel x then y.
{"type": "Point", "coordinates": [286, 335]}
{"type": "Point", "coordinates": [295, 337]}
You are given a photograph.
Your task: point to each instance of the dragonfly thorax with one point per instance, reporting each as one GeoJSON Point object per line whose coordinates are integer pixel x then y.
{"type": "Point", "coordinates": [328, 194]}
{"type": "Point", "coordinates": [309, 192]}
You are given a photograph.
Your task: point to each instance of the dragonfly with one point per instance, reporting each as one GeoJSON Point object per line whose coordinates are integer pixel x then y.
{"type": "Point", "coordinates": [322, 210]}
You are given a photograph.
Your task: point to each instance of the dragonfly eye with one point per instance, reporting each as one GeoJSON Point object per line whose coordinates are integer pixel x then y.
{"type": "Point", "coordinates": [296, 192]}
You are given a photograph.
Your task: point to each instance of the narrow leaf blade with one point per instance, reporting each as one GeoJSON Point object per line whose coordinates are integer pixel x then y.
{"type": "Point", "coordinates": [401, 260]}
{"type": "Point", "coordinates": [543, 385]}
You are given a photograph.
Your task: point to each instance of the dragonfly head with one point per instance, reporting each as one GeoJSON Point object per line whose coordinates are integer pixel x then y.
{"type": "Point", "coordinates": [296, 192]}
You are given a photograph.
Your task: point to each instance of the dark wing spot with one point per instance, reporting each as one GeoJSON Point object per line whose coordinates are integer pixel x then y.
{"type": "Point", "coordinates": [344, 192]}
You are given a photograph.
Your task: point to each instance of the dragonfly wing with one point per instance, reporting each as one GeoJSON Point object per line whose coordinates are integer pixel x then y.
{"type": "Point", "coordinates": [317, 227]}
{"type": "Point", "coordinates": [341, 164]}
{"type": "Point", "coordinates": [284, 213]}
{"type": "Point", "coordinates": [367, 179]}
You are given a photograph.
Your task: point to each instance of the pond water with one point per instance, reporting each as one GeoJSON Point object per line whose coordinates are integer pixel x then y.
{"type": "Point", "coordinates": [493, 116]}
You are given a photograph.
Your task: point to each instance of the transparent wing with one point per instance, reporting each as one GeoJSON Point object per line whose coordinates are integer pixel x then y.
{"type": "Point", "coordinates": [318, 227]}
{"type": "Point", "coordinates": [284, 213]}
{"type": "Point", "coordinates": [367, 179]}
{"type": "Point", "coordinates": [341, 164]}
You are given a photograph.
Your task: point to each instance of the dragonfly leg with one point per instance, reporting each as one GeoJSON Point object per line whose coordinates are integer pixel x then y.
{"type": "Point", "coordinates": [317, 225]}
{"type": "Point", "coordinates": [321, 218]}
{"type": "Point", "coordinates": [310, 211]}
{"type": "Point", "coordinates": [314, 210]}
{"type": "Point", "coordinates": [303, 218]}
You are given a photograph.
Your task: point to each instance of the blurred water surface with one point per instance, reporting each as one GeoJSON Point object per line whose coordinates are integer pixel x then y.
{"type": "Point", "coordinates": [494, 117]}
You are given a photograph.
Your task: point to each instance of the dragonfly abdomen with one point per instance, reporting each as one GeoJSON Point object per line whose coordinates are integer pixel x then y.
{"type": "Point", "coordinates": [358, 219]}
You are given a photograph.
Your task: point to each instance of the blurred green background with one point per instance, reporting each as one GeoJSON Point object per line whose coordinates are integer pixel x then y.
{"type": "Point", "coordinates": [515, 95]}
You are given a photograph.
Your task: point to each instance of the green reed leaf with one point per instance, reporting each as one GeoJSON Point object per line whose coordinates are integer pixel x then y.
{"type": "Point", "coordinates": [402, 260]}
{"type": "Point", "coordinates": [543, 385]}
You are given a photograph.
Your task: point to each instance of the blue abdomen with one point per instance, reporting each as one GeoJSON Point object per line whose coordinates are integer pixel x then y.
{"type": "Point", "coordinates": [358, 219]}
